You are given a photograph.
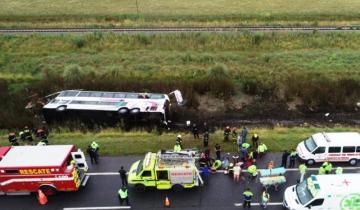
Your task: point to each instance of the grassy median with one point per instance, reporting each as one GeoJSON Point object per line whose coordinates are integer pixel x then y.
{"type": "Point", "coordinates": [115, 142]}
{"type": "Point", "coordinates": [160, 13]}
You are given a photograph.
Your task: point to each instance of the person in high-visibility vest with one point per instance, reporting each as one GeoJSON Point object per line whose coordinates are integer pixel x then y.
{"type": "Point", "coordinates": [339, 170]}
{"type": "Point", "coordinates": [177, 148]}
{"type": "Point", "coordinates": [261, 149]}
{"type": "Point", "coordinates": [252, 171]}
{"type": "Point", "coordinates": [327, 166]}
{"type": "Point", "coordinates": [123, 195]}
{"type": "Point", "coordinates": [302, 169]}
{"type": "Point", "coordinates": [95, 147]}
{"type": "Point", "coordinates": [248, 195]}
{"type": "Point", "coordinates": [265, 198]}
{"type": "Point", "coordinates": [322, 170]}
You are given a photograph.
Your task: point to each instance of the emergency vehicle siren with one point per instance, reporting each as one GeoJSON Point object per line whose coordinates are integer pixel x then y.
{"type": "Point", "coordinates": [167, 202]}
{"type": "Point", "coordinates": [42, 198]}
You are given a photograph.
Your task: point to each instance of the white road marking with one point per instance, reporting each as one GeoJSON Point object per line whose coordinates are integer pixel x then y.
{"type": "Point", "coordinates": [98, 208]}
{"type": "Point", "coordinates": [258, 204]}
{"type": "Point", "coordinates": [218, 171]}
{"type": "Point", "coordinates": [103, 173]}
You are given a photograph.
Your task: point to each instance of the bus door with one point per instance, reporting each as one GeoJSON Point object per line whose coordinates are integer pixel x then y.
{"type": "Point", "coordinates": [162, 180]}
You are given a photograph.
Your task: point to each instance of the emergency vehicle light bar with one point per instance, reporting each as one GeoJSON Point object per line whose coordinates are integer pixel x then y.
{"type": "Point", "coordinates": [326, 137]}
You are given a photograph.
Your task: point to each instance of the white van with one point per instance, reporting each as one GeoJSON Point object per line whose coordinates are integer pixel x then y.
{"type": "Point", "coordinates": [332, 191]}
{"type": "Point", "coordinates": [332, 147]}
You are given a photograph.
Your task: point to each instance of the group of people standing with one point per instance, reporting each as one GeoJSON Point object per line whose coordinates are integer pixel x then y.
{"type": "Point", "coordinates": [27, 136]}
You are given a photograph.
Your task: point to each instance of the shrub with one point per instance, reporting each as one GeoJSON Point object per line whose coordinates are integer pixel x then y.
{"type": "Point", "coordinates": [79, 41]}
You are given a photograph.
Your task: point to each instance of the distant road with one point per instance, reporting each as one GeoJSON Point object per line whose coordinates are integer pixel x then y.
{"type": "Point", "coordinates": [182, 29]}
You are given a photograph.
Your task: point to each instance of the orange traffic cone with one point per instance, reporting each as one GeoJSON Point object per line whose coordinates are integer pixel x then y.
{"type": "Point", "coordinates": [167, 202]}
{"type": "Point", "coordinates": [42, 198]}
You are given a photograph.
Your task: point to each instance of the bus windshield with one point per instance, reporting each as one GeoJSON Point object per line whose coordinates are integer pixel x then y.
{"type": "Point", "coordinates": [303, 193]}
{"type": "Point", "coordinates": [310, 144]}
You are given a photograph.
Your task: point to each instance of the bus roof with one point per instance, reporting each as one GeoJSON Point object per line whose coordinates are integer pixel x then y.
{"type": "Point", "coordinates": [337, 139]}
{"type": "Point", "coordinates": [336, 183]}
{"type": "Point", "coordinates": [36, 156]}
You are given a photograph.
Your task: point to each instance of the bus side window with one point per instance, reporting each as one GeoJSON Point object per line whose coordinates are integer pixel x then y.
{"type": "Point", "coordinates": [348, 149]}
{"type": "Point", "coordinates": [334, 149]}
{"type": "Point", "coordinates": [317, 202]}
{"type": "Point", "coordinates": [319, 150]}
{"type": "Point", "coordinates": [358, 149]}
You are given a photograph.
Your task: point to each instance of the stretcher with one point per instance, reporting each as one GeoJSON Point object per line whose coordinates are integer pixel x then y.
{"type": "Point", "coordinates": [272, 172]}
{"type": "Point", "coordinates": [275, 181]}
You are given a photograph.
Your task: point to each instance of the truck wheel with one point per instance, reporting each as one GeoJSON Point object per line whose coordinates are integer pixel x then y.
{"type": "Point", "coordinates": [48, 190]}
{"type": "Point", "coordinates": [177, 187]}
{"type": "Point", "coordinates": [310, 162]}
{"type": "Point", "coordinates": [140, 187]}
{"type": "Point", "coordinates": [353, 162]}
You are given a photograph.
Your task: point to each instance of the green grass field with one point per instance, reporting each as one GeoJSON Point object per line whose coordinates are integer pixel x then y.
{"type": "Point", "coordinates": [321, 70]}
{"type": "Point", "coordinates": [113, 142]}
{"type": "Point", "coordinates": [126, 13]}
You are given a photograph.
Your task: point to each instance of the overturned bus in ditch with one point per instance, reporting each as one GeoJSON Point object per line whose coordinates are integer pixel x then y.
{"type": "Point", "coordinates": [108, 107]}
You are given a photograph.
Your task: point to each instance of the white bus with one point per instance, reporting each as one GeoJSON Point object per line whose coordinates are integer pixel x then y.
{"type": "Point", "coordinates": [109, 107]}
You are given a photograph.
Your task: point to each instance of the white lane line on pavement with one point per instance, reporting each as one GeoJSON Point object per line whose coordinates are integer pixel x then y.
{"type": "Point", "coordinates": [98, 208]}
{"type": "Point", "coordinates": [258, 204]}
{"type": "Point", "coordinates": [103, 173]}
{"type": "Point", "coordinates": [218, 171]}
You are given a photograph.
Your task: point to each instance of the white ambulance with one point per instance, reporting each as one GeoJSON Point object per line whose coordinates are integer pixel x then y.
{"type": "Point", "coordinates": [333, 147]}
{"type": "Point", "coordinates": [332, 191]}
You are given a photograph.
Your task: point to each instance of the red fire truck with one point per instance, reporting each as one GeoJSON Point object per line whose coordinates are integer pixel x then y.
{"type": "Point", "coordinates": [25, 169]}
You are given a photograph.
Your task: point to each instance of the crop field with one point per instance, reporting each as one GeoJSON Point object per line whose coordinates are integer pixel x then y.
{"type": "Point", "coordinates": [251, 73]}
{"type": "Point", "coordinates": [117, 142]}
{"type": "Point", "coordinates": [160, 13]}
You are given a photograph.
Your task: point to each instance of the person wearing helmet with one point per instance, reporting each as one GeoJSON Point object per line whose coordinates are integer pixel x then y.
{"type": "Point", "coordinates": [255, 140]}
{"type": "Point", "coordinates": [179, 140]}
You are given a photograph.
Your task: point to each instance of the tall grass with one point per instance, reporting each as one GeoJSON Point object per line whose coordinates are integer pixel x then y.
{"type": "Point", "coordinates": [320, 69]}
{"type": "Point", "coordinates": [109, 13]}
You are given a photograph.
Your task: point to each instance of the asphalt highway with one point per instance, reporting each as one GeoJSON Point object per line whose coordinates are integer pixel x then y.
{"type": "Point", "coordinates": [219, 192]}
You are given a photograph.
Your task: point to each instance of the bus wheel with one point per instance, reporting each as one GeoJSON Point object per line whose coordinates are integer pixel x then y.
{"type": "Point", "coordinates": [310, 162]}
{"type": "Point", "coordinates": [177, 187]}
{"type": "Point", "coordinates": [123, 111]}
{"type": "Point", "coordinates": [61, 108]}
{"type": "Point", "coordinates": [140, 187]}
{"type": "Point", "coordinates": [353, 162]}
{"type": "Point", "coordinates": [48, 190]}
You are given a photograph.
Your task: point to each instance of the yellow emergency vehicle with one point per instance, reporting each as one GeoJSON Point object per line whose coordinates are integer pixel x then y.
{"type": "Point", "coordinates": [165, 170]}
